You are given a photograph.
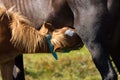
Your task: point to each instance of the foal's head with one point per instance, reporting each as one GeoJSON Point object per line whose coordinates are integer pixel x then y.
{"type": "Point", "coordinates": [62, 38]}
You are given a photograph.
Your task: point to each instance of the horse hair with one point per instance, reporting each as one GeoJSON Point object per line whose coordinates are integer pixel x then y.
{"type": "Point", "coordinates": [23, 36]}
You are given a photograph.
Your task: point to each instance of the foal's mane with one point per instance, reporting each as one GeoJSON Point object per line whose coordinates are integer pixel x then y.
{"type": "Point", "coordinates": [23, 36]}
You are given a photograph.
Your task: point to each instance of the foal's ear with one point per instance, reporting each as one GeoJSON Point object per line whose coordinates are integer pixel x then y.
{"type": "Point", "coordinates": [4, 17]}
{"type": "Point", "coordinates": [49, 26]}
{"type": "Point", "coordinates": [46, 28]}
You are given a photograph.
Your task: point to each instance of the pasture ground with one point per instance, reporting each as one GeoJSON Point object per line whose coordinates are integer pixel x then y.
{"type": "Point", "coordinates": [73, 65]}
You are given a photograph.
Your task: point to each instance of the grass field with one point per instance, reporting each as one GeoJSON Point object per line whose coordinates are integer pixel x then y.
{"type": "Point", "coordinates": [74, 65]}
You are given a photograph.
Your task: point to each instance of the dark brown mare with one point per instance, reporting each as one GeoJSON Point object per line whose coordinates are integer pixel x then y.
{"type": "Point", "coordinates": [91, 20]}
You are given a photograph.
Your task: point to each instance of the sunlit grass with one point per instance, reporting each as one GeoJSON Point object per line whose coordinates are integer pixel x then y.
{"type": "Point", "coordinates": [75, 65]}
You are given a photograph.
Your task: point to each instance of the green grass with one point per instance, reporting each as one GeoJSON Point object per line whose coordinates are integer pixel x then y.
{"type": "Point", "coordinates": [74, 65]}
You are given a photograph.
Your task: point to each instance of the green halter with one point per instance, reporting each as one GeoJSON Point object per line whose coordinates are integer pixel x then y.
{"type": "Point", "coordinates": [51, 47]}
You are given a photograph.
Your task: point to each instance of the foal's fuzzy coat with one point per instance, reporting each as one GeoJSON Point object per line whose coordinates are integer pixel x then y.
{"type": "Point", "coordinates": [25, 37]}
{"type": "Point", "coordinates": [17, 36]}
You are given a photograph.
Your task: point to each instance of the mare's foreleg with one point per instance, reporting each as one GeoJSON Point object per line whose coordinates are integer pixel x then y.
{"type": "Point", "coordinates": [90, 24]}
{"type": "Point", "coordinates": [20, 66]}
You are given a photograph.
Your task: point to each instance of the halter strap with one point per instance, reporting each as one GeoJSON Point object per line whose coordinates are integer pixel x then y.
{"type": "Point", "coordinates": [51, 47]}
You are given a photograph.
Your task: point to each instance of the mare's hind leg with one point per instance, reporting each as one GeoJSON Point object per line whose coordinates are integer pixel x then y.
{"type": "Point", "coordinates": [7, 70]}
{"type": "Point", "coordinates": [116, 59]}
{"type": "Point", "coordinates": [115, 50]}
{"type": "Point", "coordinates": [115, 44]}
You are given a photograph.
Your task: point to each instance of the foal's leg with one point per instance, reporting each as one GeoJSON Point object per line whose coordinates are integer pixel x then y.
{"type": "Point", "coordinates": [7, 70]}
{"type": "Point", "coordinates": [90, 18]}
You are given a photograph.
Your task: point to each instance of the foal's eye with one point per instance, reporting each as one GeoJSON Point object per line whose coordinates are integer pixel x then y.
{"type": "Point", "coordinates": [56, 30]}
